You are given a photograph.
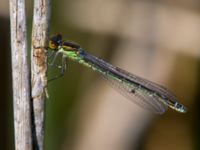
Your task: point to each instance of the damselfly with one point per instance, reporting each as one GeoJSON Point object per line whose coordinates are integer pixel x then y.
{"type": "Point", "coordinates": [145, 93]}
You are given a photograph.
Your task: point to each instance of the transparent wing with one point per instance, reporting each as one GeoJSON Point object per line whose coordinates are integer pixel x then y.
{"type": "Point", "coordinates": [128, 84]}
{"type": "Point", "coordinates": [165, 96]}
{"type": "Point", "coordinates": [151, 85]}
{"type": "Point", "coordinates": [144, 100]}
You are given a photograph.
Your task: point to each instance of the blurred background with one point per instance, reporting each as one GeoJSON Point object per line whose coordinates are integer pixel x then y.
{"type": "Point", "coordinates": [157, 40]}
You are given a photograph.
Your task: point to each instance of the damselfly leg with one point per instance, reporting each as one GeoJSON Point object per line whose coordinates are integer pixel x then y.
{"type": "Point", "coordinates": [53, 57]}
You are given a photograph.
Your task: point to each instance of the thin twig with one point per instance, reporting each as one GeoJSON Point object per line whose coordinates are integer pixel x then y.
{"type": "Point", "coordinates": [39, 68]}
{"type": "Point", "coordinates": [20, 76]}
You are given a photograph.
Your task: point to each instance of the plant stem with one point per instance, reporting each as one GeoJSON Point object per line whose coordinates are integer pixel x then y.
{"type": "Point", "coordinates": [20, 76]}
{"type": "Point", "coordinates": [39, 68]}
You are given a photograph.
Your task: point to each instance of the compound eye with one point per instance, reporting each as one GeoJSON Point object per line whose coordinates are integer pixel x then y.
{"type": "Point", "coordinates": [57, 39]}
{"type": "Point", "coordinates": [52, 45]}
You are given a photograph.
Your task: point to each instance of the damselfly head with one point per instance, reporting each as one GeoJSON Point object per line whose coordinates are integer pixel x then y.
{"type": "Point", "coordinates": [55, 41]}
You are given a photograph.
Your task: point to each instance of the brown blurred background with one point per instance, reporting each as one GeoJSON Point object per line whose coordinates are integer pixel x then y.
{"type": "Point", "coordinates": [157, 40]}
